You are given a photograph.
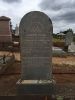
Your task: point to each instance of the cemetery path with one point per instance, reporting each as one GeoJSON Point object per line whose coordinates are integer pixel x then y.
{"type": "Point", "coordinates": [65, 60]}
{"type": "Point", "coordinates": [56, 60]}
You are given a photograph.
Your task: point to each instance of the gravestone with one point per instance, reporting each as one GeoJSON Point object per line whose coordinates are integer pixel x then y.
{"type": "Point", "coordinates": [68, 39]}
{"type": "Point", "coordinates": [71, 47]}
{"type": "Point", "coordinates": [36, 54]}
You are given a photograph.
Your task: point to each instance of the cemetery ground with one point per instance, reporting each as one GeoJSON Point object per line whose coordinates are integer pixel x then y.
{"type": "Point", "coordinates": [63, 73]}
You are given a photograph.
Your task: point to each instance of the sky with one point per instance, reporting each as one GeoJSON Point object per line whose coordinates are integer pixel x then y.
{"type": "Point", "coordinates": [61, 12]}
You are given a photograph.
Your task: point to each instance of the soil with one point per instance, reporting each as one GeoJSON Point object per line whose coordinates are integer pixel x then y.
{"type": "Point", "coordinates": [11, 75]}
{"type": "Point", "coordinates": [65, 60]}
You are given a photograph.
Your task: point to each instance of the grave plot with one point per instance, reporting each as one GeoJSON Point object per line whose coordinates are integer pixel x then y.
{"type": "Point", "coordinates": [36, 54]}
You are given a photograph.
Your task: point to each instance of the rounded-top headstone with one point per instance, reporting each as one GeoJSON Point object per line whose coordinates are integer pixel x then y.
{"type": "Point", "coordinates": [36, 46]}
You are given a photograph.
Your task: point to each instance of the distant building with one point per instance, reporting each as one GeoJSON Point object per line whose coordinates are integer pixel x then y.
{"type": "Point", "coordinates": [5, 31]}
{"type": "Point", "coordinates": [61, 35]}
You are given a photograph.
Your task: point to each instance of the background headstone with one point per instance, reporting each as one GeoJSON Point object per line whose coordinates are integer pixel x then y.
{"type": "Point", "coordinates": [68, 38]}
{"type": "Point", "coordinates": [71, 47]}
{"type": "Point", "coordinates": [36, 46]}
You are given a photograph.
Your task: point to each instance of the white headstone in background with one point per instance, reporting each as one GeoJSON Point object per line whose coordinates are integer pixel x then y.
{"type": "Point", "coordinates": [68, 38]}
{"type": "Point", "coordinates": [71, 47]}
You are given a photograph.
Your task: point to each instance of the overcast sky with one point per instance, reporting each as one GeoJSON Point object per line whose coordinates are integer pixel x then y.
{"type": "Point", "coordinates": [61, 12]}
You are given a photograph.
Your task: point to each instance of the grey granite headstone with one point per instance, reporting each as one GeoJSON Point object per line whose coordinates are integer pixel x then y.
{"type": "Point", "coordinates": [36, 53]}
{"type": "Point", "coordinates": [69, 38]}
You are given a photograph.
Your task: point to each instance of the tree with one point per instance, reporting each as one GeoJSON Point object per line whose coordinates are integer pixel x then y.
{"type": "Point", "coordinates": [68, 30]}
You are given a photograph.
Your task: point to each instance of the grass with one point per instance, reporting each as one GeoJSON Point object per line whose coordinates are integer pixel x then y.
{"type": "Point", "coordinates": [58, 40]}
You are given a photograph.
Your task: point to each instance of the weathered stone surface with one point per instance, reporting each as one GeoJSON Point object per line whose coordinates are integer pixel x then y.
{"type": "Point", "coordinates": [69, 38]}
{"type": "Point", "coordinates": [36, 46]}
{"type": "Point", "coordinates": [43, 87]}
{"type": "Point", "coordinates": [71, 47]}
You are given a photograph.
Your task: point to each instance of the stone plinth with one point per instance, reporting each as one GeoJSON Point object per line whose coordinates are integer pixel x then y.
{"type": "Point", "coordinates": [36, 87]}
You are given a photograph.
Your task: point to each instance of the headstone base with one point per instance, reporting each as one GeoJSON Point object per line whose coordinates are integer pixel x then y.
{"type": "Point", "coordinates": [36, 87]}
